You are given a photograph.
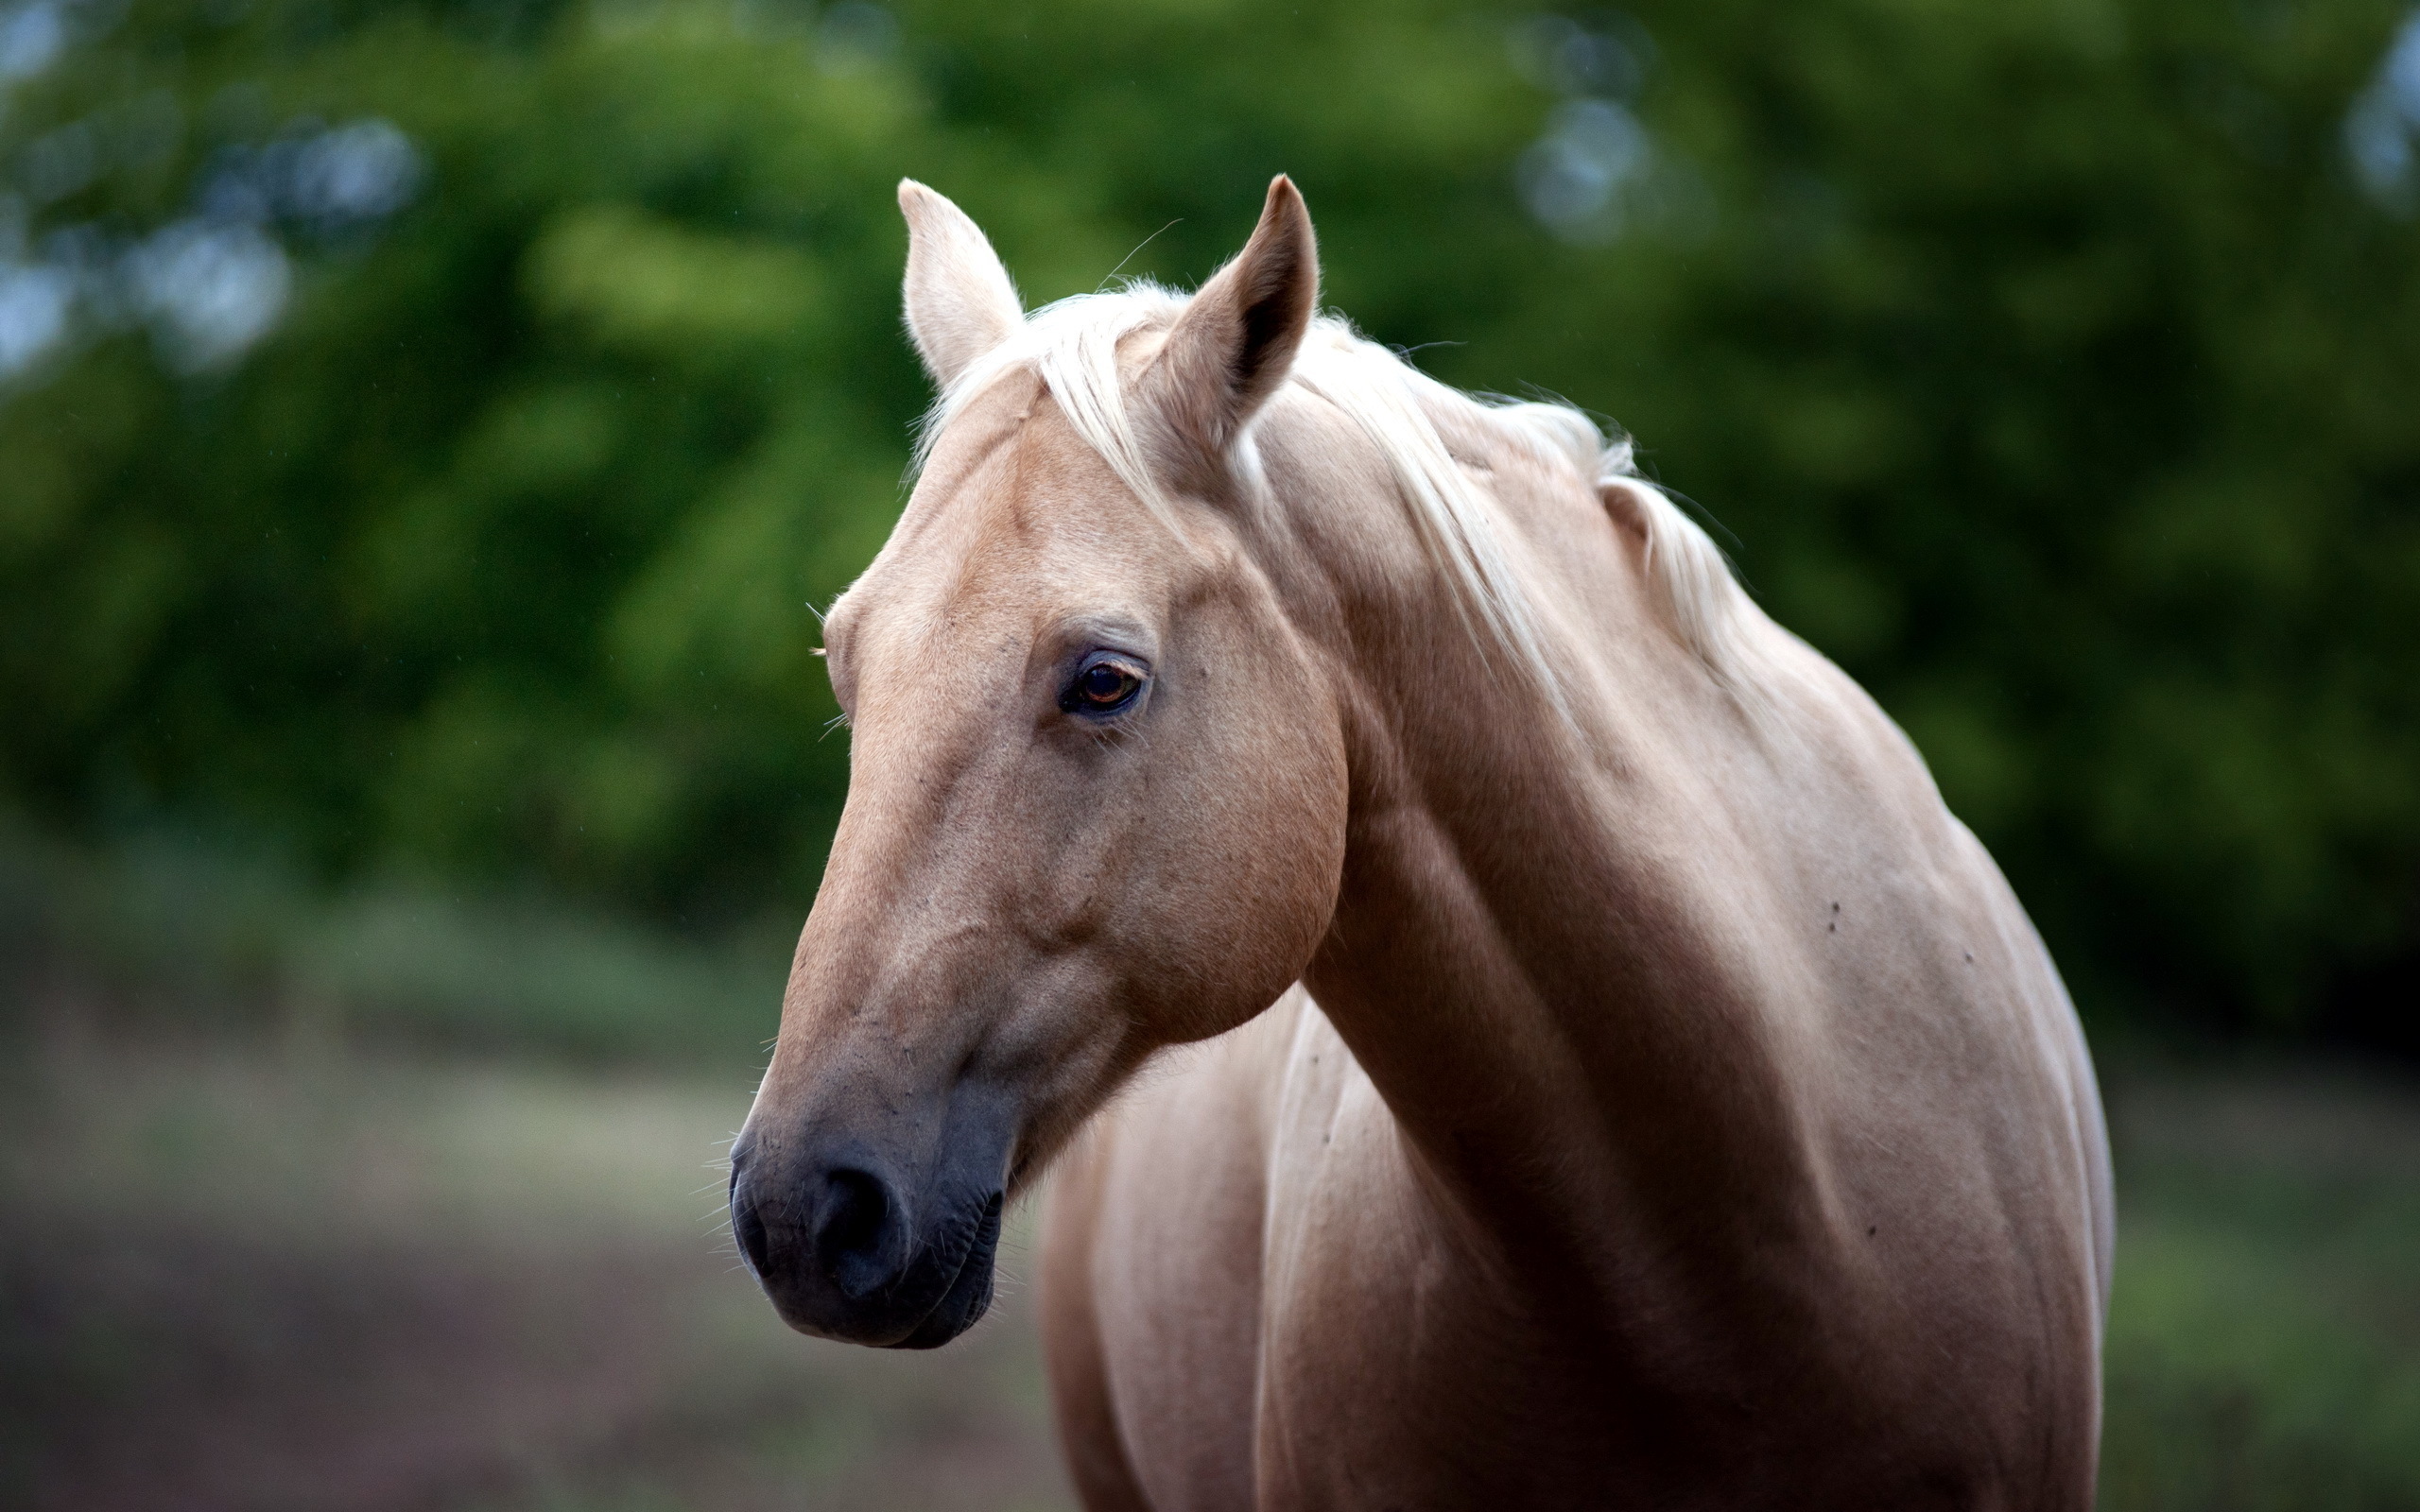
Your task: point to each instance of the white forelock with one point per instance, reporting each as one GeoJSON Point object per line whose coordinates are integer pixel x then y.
{"type": "Point", "coordinates": [1072, 346]}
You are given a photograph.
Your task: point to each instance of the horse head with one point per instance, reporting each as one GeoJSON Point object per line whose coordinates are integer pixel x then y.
{"type": "Point", "coordinates": [1097, 786]}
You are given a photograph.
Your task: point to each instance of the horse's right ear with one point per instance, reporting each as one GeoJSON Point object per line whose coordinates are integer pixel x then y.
{"type": "Point", "coordinates": [960, 304]}
{"type": "Point", "coordinates": [1235, 344]}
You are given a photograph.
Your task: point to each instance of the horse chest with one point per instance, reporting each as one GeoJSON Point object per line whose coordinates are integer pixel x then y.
{"type": "Point", "coordinates": [1392, 1368]}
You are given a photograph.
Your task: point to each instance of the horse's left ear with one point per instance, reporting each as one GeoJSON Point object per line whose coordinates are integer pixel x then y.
{"type": "Point", "coordinates": [1236, 342]}
{"type": "Point", "coordinates": [959, 301]}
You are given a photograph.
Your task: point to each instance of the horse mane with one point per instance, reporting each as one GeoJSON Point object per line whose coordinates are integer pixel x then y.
{"type": "Point", "coordinates": [1072, 346]}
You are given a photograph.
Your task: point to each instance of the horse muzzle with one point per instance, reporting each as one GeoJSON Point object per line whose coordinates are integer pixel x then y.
{"type": "Point", "coordinates": [849, 1247]}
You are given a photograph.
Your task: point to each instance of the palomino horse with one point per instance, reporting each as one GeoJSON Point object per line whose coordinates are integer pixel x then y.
{"type": "Point", "coordinates": [1688, 1115]}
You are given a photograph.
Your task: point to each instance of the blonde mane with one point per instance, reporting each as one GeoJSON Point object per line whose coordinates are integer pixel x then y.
{"type": "Point", "coordinates": [1072, 346]}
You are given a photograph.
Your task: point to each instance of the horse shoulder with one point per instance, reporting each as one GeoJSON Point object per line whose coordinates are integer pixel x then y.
{"type": "Point", "coordinates": [1967, 1161]}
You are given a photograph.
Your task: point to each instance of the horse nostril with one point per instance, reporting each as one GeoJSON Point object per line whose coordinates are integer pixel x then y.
{"type": "Point", "coordinates": [748, 1228]}
{"type": "Point", "coordinates": [849, 1239]}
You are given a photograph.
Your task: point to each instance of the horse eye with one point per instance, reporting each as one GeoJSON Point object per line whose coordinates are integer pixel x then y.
{"type": "Point", "coordinates": [1102, 687]}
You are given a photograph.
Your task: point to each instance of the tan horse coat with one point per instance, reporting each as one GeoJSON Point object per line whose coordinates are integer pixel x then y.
{"type": "Point", "coordinates": [1688, 1114]}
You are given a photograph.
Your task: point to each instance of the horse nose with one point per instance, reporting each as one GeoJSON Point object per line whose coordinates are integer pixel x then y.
{"type": "Point", "coordinates": [841, 1230]}
{"type": "Point", "coordinates": [859, 1240]}
{"type": "Point", "coordinates": [748, 1227]}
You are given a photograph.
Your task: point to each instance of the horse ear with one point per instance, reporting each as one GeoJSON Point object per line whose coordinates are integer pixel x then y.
{"type": "Point", "coordinates": [1236, 342]}
{"type": "Point", "coordinates": [1627, 506]}
{"type": "Point", "coordinates": [960, 304]}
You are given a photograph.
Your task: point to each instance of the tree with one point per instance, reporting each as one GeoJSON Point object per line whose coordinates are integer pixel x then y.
{"type": "Point", "coordinates": [453, 413]}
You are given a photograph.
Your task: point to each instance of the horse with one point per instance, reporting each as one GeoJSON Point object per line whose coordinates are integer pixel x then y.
{"type": "Point", "coordinates": [1512, 1026]}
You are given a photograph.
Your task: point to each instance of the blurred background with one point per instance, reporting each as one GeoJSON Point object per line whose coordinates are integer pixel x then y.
{"type": "Point", "coordinates": [428, 429]}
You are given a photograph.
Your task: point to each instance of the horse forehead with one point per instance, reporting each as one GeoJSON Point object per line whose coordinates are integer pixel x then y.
{"type": "Point", "coordinates": [1009, 451]}
{"type": "Point", "coordinates": [1016, 515]}
{"type": "Point", "coordinates": [1044, 483]}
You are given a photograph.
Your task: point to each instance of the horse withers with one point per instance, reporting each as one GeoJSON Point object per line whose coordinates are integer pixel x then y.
{"type": "Point", "coordinates": [1677, 1108]}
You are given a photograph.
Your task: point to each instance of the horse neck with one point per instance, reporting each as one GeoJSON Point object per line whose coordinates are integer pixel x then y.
{"type": "Point", "coordinates": [1543, 950]}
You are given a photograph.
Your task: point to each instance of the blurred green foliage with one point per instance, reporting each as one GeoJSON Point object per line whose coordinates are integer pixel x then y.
{"type": "Point", "coordinates": [2048, 360]}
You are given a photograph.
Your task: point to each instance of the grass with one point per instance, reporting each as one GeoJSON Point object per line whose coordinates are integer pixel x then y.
{"type": "Point", "coordinates": [187, 931]}
{"type": "Point", "coordinates": [2264, 1340]}
{"type": "Point", "coordinates": [248, 1274]}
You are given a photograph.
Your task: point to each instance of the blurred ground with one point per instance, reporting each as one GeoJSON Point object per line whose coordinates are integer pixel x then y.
{"type": "Point", "coordinates": [2264, 1341]}
{"type": "Point", "coordinates": [262, 1275]}
{"type": "Point", "coordinates": [264, 1271]}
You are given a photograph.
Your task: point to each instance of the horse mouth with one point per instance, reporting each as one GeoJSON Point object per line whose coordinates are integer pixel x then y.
{"type": "Point", "coordinates": [968, 1296]}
